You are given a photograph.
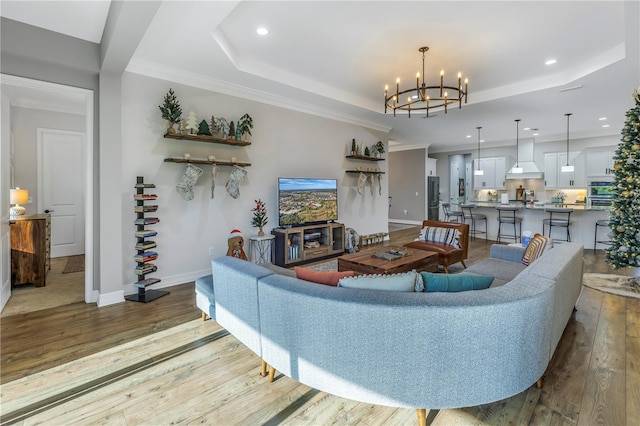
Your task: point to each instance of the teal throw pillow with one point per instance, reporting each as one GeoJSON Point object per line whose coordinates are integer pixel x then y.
{"type": "Point", "coordinates": [454, 282]}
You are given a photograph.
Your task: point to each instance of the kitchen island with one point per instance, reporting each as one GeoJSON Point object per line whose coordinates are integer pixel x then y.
{"type": "Point", "coordinates": [582, 227]}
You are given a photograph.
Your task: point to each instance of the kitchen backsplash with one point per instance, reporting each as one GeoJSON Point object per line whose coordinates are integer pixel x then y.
{"type": "Point", "coordinates": [537, 185]}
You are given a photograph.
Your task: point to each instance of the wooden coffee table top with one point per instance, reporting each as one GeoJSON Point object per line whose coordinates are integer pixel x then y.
{"type": "Point", "coordinates": [364, 262]}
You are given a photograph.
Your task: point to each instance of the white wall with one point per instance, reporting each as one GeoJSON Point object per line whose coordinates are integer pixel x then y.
{"type": "Point", "coordinates": [24, 123]}
{"type": "Point", "coordinates": [284, 143]}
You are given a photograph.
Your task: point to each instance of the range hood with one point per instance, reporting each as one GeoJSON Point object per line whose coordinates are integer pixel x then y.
{"type": "Point", "coordinates": [525, 162]}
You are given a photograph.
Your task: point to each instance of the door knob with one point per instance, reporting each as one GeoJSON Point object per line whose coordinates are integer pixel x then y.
{"type": "Point", "coordinates": [48, 211]}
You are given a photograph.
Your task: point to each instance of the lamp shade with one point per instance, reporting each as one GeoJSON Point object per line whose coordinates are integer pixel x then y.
{"type": "Point", "coordinates": [18, 196]}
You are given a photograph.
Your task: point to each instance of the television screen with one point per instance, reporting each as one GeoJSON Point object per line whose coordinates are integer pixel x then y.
{"type": "Point", "coordinates": [307, 200]}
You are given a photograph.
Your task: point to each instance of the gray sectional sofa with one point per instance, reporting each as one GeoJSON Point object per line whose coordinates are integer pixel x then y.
{"type": "Point", "coordinates": [419, 350]}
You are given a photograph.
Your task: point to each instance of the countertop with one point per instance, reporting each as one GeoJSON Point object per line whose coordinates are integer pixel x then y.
{"type": "Point", "coordinates": [539, 205]}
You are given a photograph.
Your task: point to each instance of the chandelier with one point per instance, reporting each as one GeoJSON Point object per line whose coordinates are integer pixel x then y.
{"type": "Point", "coordinates": [423, 97]}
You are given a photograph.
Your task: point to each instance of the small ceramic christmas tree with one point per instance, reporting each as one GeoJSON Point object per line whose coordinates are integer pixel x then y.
{"type": "Point", "coordinates": [232, 131]}
{"type": "Point", "coordinates": [192, 124]}
{"type": "Point", "coordinates": [203, 128]}
{"type": "Point", "coordinates": [625, 215]}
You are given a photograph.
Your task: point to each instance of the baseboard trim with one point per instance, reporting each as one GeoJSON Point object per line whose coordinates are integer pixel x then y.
{"type": "Point", "coordinates": [406, 222]}
{"type": "Point", "coordinates": [171, 281]}
{"type": "Point", "coordinates": [107, 299]}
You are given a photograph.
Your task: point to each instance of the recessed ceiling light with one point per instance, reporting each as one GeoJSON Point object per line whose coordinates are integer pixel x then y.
{"type": "Point", "coordinates": [481, 140]}
{"type": "Point", "coordinates": [526, 128]}
{"type": "Point", "coordinates": [262, 31]}
{"type": "Point", "coordinates": [605, 125]}
{"type": "Point", "coordinates": [602, 118]}
{"type": "Point", "coordinates": [468, 136]}
{"type": "Point", "coordinates": [536, 134]}
{"type": "Point", "coordinates": [550, 61]}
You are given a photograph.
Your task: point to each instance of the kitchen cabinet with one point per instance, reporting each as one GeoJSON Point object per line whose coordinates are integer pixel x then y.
{"type": "Point", "coordinates": [494, 169]}
{"type": "Point", "coordinates": [600, 161]}
{"type": "Point", "coordinates": [555, 178]}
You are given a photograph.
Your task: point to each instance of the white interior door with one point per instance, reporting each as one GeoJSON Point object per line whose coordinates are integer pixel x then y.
{"type": "Point", "coordinates": [453, 186]}
{"type": "Point", "coordinates": [61, 179]}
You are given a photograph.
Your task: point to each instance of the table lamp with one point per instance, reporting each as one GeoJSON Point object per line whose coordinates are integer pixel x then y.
{"type": "Point", "coordinates": [18, 196]}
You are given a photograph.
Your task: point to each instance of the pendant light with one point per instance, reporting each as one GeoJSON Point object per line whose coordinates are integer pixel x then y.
{"type": "Point", "coordinates": [517, 168]}
{"type": "Point", "coordinates": [567, 168]}
{"type": "Point", "coordinates": [478, 172]}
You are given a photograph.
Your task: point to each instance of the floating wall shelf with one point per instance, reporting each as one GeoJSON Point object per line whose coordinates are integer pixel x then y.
{"type": "Point", "coordinates": [365, 171]}
{"type": "Point", "coordinates": [205, 138]}
{"type": "Point", "coordinates": [364, 157]}
{"type": "Point", "coordinates": [216, 162]}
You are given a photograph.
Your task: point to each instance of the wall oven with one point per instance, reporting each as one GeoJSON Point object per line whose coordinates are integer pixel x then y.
{"type": "Point", "coordinates": [600, 193]}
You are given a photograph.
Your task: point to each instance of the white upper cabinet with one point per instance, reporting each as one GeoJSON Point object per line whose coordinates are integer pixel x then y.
{"type": "Point", "coordinates": [554, 177]}
{"type": "Point", "coordinates": [600, 161]}
{"type": "Point", "coordinates": [494, 169]}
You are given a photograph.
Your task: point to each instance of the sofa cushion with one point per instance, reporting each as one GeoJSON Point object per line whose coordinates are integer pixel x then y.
{"type": "Point", "coordinates": [534, 249]}
{"type": "Point", "coordinates": [407, 281]}
{"type": "Point", "coordinates": [436, 234]}
{"type": "Point", "coordinates": [321, 277]}
{"type": "Point", "coordinates": [454, 282]}
{"type": "Point", "coordinates": [502, 270]}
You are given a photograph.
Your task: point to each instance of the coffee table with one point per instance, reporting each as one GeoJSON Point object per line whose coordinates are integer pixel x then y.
{"type": "Point", "coordinates": [363, 262]}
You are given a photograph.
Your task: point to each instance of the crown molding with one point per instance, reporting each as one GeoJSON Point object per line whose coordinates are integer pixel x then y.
{"type": "Point", "coordinates": [161, 72]}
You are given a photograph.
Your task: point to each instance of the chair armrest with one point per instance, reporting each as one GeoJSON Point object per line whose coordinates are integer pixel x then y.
{"type": "Point", "coordinates": [509, 253]}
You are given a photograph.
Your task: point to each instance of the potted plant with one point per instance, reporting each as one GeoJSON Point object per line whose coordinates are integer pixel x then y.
{"type": "Point", "coordinates": [171, 110]}
{"type": "Point", "coordinates": [245, 124]}
{"type": "Point", "coordinates": [259, 218]}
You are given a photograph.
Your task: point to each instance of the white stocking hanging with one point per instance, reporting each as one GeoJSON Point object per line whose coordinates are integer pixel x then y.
{"type": "Point", "coordinates": [362, 179]}
{"type": "Point", "coordinates": [187, 181]}
{"type": "Point", "coordinates": [371, 183]}
{"type": "Point", "coordinates": [233, 184]}
{"type": "Point", "coordinates": [214, 173]}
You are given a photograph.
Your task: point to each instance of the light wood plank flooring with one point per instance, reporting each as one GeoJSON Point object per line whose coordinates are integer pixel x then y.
{"type": "Point", "coordinates": [594, 377]}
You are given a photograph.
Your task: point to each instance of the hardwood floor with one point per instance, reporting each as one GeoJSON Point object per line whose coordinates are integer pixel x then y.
{"type": "Point", "coordinates": [594, 377]}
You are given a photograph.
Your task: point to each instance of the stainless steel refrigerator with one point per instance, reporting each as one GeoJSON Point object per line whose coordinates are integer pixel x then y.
{"type": "Point", "coordinates": [433, 197]}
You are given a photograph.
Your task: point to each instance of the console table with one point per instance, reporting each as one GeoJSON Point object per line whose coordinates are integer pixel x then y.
{"type": "Point", "coordinates": [30, 249]}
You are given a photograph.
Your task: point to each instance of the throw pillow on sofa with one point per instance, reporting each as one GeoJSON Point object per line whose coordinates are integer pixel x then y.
{"type": "Point", "coordinates": [535, 249]}
{"type": "Point", "coordinates": [321, 277]}
{"type": "Point", "coordinates": [407, 281]}
{"type": "Point", "coordinates": [449, 236]}
{"type": "Point", "coordinates": [452, 283]}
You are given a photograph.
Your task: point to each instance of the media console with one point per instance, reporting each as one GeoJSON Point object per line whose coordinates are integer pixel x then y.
{"type": "Point", "coordinates": [303, 244]}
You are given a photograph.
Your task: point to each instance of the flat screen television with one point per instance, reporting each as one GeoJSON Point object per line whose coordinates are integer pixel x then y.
{"type": "Point", "coordinates": [304, 201]}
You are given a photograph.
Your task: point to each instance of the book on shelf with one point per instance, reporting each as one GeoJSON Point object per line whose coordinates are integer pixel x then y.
{"type": "Point", "coordinates": [147, 256]}
{"type": "Point", "coordinates": [146, 233]}
{"type": "Point", "coordinates": [146, 282]}
{"type": "Point", "coordinates": [146, 221]}
{"type": "Point", "coordinates": [144, 196]}
{"type": "Point", "coordinates": [145, 209]}
{"type": "Point", "coordinates": [145, 245]}
{"type": "Point", "coordinates": [145, 185]}
{"type": "Point", "coordinates": [146, 268]}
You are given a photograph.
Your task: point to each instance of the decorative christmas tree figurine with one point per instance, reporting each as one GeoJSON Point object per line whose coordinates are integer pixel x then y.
{"type": "Point", "coordinates": [624, 219]}
{"type": "Point", "coordinates": [223, 126]}
{"type": "Point", "coordinates": [171, 110]}
{"type": "Point", "coordinates": [353, 146]}
{"type": "Point", "coordinates": [259, 218]}
{"type": "Point", "coordinates": [245, 124]}
{"type": "Point", "coordinates": [203, 128]}
{"type": "Point", "coordinates": [366, 151]}
{"type": "Point", "coordinates": [192, 124]}
{"type": "Point", "coordinates": [212, 126]}
{"type": "Point", "coordinates": [232, 130]}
